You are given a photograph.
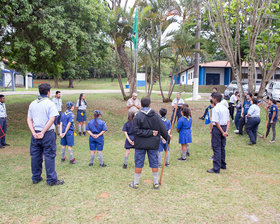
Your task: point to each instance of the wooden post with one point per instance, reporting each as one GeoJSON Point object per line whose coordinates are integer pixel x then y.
{"type": "Point", "coordinates": [167, 149]}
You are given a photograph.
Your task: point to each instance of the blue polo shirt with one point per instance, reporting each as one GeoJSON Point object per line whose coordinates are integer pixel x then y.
{"type": "Point", "coordinates": [246, 106]}
{"type": "Point", "coordinates": [96, 129]}
{"type": "Point", "coordinates": [166, 123]}
{"type": "Point", "coordinates": [272, 109]}
{"type": "Point", "coordinates": [67, 117]}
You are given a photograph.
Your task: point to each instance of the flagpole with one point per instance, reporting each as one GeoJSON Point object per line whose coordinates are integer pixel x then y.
{"type": "Point", "coordinates": [136, 50]}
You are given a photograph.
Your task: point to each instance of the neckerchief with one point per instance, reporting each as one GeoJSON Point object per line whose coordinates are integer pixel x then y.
{"type": "Point", "coordinates": [186, 118]}
{"type": "Point", "coordinates": [163, 118]}
{"type": "Point", "coordinates": [146, 110]}
{"type": "Point", "coordinates": [41, 98]}
{"type": "Point", "coordinates": [68, 112]}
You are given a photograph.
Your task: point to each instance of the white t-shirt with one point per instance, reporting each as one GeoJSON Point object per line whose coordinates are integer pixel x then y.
{"type": "Point", "coordinates": [233, 99]}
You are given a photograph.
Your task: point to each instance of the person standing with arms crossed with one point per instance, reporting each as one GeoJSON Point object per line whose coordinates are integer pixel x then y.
{"type": "Point", "coordinates": [3, 120]}
{"type": "Point", "coordinates": [40, 120]}
{"type": "Point", "coordinates": [219, 131]}
{"type": "Point", "coordinates": [58, 103]}
{"type": "Point", "coordinates": [133, 104]}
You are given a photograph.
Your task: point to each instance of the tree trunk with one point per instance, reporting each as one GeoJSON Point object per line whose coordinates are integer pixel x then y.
{"type": "Point", "coordinates": [70, 85]}
{"type": "Point", "coordinates": [126, 62]}
{"type": "Point", "coordinates": [159, 68]}
{"type": "Point", "coordinates": [146, 78]}
{"type": "Point", "coordinates": [172, 82]}
{"type": "Point", "coordinates": [119, 76]}
{"type": "Point", "coordinates": [55, 82]}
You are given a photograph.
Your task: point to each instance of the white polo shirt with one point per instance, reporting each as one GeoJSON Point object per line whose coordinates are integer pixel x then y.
{"type": "Point", "coordinates": [233, 99]}
{"type": "Point", "coordinates": [220, 114]}
{"type": "Point", "coordinates": [180, 103]}
{"type": "Point", "coordinates": [3, 112]}
{"type": "Point", "coordinates": [40, 111]}
{"type": "Point", "coordinates": [83, 105]}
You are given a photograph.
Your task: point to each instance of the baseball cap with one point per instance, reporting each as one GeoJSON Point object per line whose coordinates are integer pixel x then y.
{"type": "Point", "coordinates": [69, 105]}
{"type": "Point", "coordinates": [97, 112]}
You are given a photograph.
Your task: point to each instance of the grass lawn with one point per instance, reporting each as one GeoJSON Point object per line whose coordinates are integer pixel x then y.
{"type": "Point", "coordinates": [247, 191]}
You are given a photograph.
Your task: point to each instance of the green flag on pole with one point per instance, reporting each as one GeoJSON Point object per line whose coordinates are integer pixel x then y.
{"type": "Point", "coordinates": [135, 30]}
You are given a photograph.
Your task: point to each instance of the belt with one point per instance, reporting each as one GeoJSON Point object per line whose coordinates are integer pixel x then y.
{"type": "Point", "coordinates": [3, 117]}
{"type": "Point", "coordinates": [52, 130]}
{"type": "Point", "coordinates": [220, 125]}
{"type": "Point", "coordinates": [82, 110]}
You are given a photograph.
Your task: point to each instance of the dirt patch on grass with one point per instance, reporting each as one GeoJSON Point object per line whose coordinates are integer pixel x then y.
{"type": "Point", "coordinates": [104, 195]}
{"type": "Point", "coordinates": [100, 217]}
{"type": "Point", "coordinates": [37, 220]}
{"type": "Point", "coordinates": [147, 181]}
{"type": "Point", "coordinates": [14, 151]}
{"type": "Point", "coordinates": [271, 181]}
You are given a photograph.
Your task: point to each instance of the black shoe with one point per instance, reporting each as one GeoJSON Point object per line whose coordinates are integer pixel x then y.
{"type": "Point", "coordinates": [102, 165]}
{"type": "Point", "coordinates": [167, 164]}
{"type": "Point", "coordinates": [58, 182]}
{"type": "Point", "coordinates": [202, 118]}
{"type": "Point", "coordinates": [38, 181]}
{"type": "Point", "coordinates": [5, 144]}
{"type": "Point", "coordinates": [80, 133]}
{"type": "Point", "coordinates": [181, 159]}
{"type": "Point", "coordinates": [90, 164]}
{"type": "Point", "coordinates": [124, 166]}
{"type": "Point", "coordinates": [73, 161]}
{"type": "Point", "coordinates": [212, 171]}
{"type": "Point", "coordinates": [63, 160]}
{"type": "Point", "coordinates": [224, 168]}
{"type": "Point", "coordinates": [251, 143]}
{"type": "Point", "coordinates": [84, 133]}
{"type": "Point", "coordinates": [188, 154]}
{"type": "Point", "coordinates": [156, 186]}
{"type": "Point", "coordinates": [134, 186]}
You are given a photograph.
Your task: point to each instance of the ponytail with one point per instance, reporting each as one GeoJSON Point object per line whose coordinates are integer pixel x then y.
{"type": "Point", "coordinates": [95, 115]}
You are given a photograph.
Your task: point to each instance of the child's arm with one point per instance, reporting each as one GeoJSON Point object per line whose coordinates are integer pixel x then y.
{"type": "Point", "coordinates": [273, 116]}
{"type": "Point", "coordinates": [60, 128]}
{"type": "Point", "coordinates": [127, 137]}
{"type": "Point", "coordinates": [100, 134]}
{"type": "Point", "coordinates": [67, 128]}
{"type": "Point", "coordinates": [91, 134]}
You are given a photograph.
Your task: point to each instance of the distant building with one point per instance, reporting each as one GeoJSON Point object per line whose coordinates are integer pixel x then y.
{"type": "Point", "coordinates": [215, 73]}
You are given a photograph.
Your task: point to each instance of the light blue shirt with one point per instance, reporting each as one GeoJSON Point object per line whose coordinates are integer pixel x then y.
{"type": "Point", "coordinates": [83, 105]}
{"type": "Point", "coordinates": [3, 112]}
{"type": "Point", "coordinates": [40, 111]}
{"type": "Point", "coordinates": [220, 114]}
{"type": "Point", "coordinates": [58, 103]}
{"type": "Point", "coordinates": [254, 111]}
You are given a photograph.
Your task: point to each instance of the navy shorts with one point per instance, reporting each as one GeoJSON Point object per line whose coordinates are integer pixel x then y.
{"type": "Point", "coordinates": [81, 115]}
{"type": "Point", "coordinates": [162, 146]}
{"type": "Point", "coordinates": [57, 119]}
{"type": "Point", "coordinates": [139, 158]}
{"type": "Point", "coordinates": [96, 145]}
{"type": "Point", "coordinates": [68, 139]}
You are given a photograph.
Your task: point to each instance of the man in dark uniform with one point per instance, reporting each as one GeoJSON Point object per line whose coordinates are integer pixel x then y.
{"type": "Point", "coordinates": [3, 121]}
{"type": "Point", "coordinates": [40, 119]}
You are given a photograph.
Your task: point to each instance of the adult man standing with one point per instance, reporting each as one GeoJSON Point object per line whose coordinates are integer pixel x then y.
{"type": "Point", "coordinates": [58, 103]}
{"type": "Point", "coordinates": [231, 104]}
{"type": "Point", "coordinates": [148, 129]}
{"type": "Point", "coordinates": [3, 120]}
{"type": "Point", "coordinates": [219, 131]}
{"type": "Point", "coordinates": [133, 104]}
{"type": "Point", "coordinates": [244, 112]}
{"type": "Point", "coordinates": [180, 104]}
{"type": "Point", "coordinates": [40, 119]}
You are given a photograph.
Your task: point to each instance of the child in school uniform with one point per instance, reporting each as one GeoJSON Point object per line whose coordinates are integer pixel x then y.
{"type": "Point", "coordinates": [163, 144]}
{"type": "Point", "coordinates": [67, 132]}
{"type": "Point", "coordinates": [81, 106]}
{"type": "Point", "coordinates": [128, 132]}
{"type": "Point", "coordinates": [96, 129]}
{"type": "Point", "coordinates": [185, 133]}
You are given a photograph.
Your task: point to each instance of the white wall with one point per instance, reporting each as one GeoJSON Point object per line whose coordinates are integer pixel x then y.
{"type": "Point", "coordinates": [190, 76]}
{"type": "Point", "coordinates": [183, 78]}
{"type": "Point", "coordinates": [220, 71]}
{"type": "Point", "coordinates": [19, 80]}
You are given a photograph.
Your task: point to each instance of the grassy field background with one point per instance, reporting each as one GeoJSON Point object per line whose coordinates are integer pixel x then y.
{"type": "Point", "coordinates": [247, 192]}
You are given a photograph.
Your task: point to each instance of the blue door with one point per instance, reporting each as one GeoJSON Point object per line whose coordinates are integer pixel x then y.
{"type": "Point", "coordinates": [212, 79]}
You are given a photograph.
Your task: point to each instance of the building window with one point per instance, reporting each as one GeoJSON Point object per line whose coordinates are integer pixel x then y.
{"type": "Point", "coordinates": [183, 78]}
{"type": "Point", "coordinates": [259, 76]}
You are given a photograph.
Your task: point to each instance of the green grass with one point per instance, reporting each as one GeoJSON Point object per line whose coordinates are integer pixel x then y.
{"type": "Point", "coordinates": [250, 185]}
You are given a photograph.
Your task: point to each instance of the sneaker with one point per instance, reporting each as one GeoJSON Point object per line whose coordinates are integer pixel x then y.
{"type": "Point", "coordinates": [167, 164]}
{"type": "Point", "coordinates": [38, 181]}
{"type": "Point", "coordinates": [73, 161]}
{"type": "Point", "coordinates": [156, 186]}
{"type": "Point", "coordinates": [84, 133]}
{"type": "Point", "coordinates": [58, 182]}
{"type": "Point", "coordinates": [272, 141]}
{"type": "Point", "coordinates": [201, 118]}
{"type": "Point", "coordinates": [124, 166]}
{"type": "Point", "coordinates": [188, 154]}
{"type": "Point", "coordinates": [80, 133]}
{"type": "Point", "coordinates": [236, 131]}
{"type": "Point", "coordinates": [134, 186]}
{"type": "Point", "coordinates": [160, 165]}
{"type": "Point", "coordinates": [90, 164]}
{"type": "Point", "coordinates": [102, 165]}
{"type": "Point", "coordinates": [181, 159]}
{"type": "Point", "coordinates": [63, 160]}
{"type": "Point", "coordinates": [5, 144]}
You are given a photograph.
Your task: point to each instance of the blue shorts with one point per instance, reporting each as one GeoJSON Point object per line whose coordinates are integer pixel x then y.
{"type": "Point", "coordinates": [81, 117]}
{"type": "Point", "coordinates": [68, 139]}
{"type": "Point", "coordinates": [139, 158]}
{"type": "Point", "coordinates": [96, 145]}
{"type": "Point", "coordinates": [162, 146]}
{"type": "Point", "coordinates": [57, 119]}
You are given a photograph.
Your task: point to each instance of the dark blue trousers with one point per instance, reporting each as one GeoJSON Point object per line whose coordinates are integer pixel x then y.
{"type": "Point", "coordinates": [206, 111]}
{"type": "Point", "coordinates": [252, 128]}
{"type": "Point", "coordinates": [47, 147]}
{"type": "Point", "coordinates": [218, 145]}
{"type": "Point", "coordinates": [236, 119]}
{"type": "Point", "coordinates": [178, 115]}
{"type": "Point", "coordinates": [3, 124]}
